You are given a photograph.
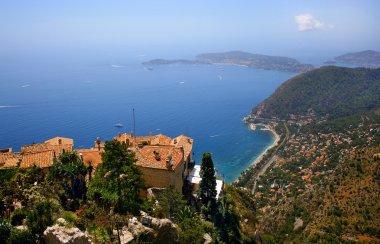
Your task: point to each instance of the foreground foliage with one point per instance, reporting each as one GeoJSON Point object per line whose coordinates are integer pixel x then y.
{"type": "Point", "coordinates": [117, 182]}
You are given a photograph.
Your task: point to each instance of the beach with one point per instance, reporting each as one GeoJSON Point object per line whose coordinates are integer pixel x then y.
{"type": "Point", "coordinates": [275, 142]}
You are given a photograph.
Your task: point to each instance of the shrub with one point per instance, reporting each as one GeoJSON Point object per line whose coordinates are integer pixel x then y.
{"type": "Point", "coordinates": [69, 216]}
{"type": "Point", "coordinates": [5, 231]}
{"type": "Point", "coordinates": [20, 237]}
{"type": "Point", "coordinates": [18, 216]}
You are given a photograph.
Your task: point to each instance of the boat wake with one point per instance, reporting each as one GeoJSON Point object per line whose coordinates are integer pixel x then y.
{"type": "Point", "coordinates": [215, 136]}
{"type": "Point", "coordinates": [116, 66]}
{"type": "Point", "coordinates": [26, 85]}
{"type": "Point", "coordinates": [6, 106]}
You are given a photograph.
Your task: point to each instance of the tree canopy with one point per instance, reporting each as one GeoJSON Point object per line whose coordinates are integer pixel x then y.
{"type": "Point", "coordinates": [207, 188]}
{"type": "Point", "coordinates": [117, 181]}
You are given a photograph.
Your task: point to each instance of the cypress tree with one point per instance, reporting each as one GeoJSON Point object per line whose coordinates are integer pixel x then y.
{"type": "Point", "coordinates": [207, 189]}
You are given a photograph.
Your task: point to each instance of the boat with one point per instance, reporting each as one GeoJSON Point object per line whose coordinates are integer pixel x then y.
{"type": "Point", "coordinates": [119, 125]}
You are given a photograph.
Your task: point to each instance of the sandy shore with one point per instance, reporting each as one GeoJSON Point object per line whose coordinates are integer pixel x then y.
{"type": "Point", "coordinates": [275, 143]}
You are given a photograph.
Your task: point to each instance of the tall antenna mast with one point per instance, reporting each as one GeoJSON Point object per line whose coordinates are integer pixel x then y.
{"type": "Point", "coordinates": [134, 123]}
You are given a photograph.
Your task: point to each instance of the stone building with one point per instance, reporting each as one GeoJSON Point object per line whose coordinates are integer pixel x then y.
{"type": "Point", "coordinates": [164, 161]}
{"type": "Point", "coordinates": [8, 159]}
{"type": "Point", "coordinates": [42, 154]}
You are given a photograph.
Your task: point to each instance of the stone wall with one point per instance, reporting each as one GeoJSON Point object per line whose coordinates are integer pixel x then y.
{"type": "Point", "coordinates": [161, 178]}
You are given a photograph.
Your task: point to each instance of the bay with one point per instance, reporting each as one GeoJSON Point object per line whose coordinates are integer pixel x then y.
{"type": "Point", "coordinates": [84, 99]}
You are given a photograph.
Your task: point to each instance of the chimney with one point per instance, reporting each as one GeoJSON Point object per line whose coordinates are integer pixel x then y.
{"type": "Point", "coordinates": [157, 155]}
{"type": "Point", "coordinates": [169, 162]}
{"type": "Point", "coordinates": [97, 142]}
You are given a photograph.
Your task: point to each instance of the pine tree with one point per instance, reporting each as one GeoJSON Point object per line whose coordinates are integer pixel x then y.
{"type": "Point", "coordinates": [207, 187]}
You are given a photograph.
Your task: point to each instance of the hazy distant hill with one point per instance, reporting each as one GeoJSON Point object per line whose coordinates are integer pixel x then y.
{"type": "Point", "coordinates": [255, 61]}
{"type": "Point", "coordinates": [160, 61]}
{"type": "Point", "coordinates": [240, 58]}
{"type": "Point", "coordinates": [336, 91]}
{"type": "Point", "coordinates": [366, 58]}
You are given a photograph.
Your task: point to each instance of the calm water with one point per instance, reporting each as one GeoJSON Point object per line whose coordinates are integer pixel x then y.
{"type": "Point", "coordinates": [85, 99]}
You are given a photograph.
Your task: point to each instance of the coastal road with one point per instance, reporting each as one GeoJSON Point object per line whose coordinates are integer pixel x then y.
{"type": "Point", "coordinates": [270, 160]}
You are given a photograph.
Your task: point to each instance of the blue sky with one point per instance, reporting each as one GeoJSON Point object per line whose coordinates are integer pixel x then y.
{"type": "Point", "coordinates": [269, 27]}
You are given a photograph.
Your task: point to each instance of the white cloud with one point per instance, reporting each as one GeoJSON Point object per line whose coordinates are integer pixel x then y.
{"type": "Point", "coordinates": [307, 22]}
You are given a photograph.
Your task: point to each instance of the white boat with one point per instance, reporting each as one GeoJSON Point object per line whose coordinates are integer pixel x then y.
{"type": "Point", "coordinates": [119, 125]}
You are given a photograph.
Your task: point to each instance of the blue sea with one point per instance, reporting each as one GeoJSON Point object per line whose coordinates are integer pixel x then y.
{"type": "Point", "coordinates": [84, 98]}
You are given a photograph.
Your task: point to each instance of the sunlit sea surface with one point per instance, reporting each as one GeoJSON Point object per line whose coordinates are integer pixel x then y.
{"type": "Point", "coordinates": [84, 99]}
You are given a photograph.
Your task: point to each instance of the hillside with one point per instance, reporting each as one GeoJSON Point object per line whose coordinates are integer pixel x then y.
{"type": "Point", "coordinates": [342, 207]}
{"type": "Point", "coordinates": [368, 58]}
{"type": "Point", "coordinates": [321, 183]}
{"type": "Point", "coordinates": [328, 91]}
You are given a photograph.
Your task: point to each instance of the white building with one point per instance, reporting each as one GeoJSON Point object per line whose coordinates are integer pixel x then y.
{"type": "Point", "coordinates": [195, 179]}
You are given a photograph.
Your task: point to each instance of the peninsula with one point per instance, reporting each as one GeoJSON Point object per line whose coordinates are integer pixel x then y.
{"type": "Point", "coordinates": [368, 58]}
{"type": "Point", "coordinates": [250, 60]}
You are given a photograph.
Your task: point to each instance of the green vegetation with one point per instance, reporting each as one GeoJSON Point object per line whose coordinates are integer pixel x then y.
{"type": "Point", "coordinates": [69, 173]}
{"type": "Point", "coordinates": [323, 184]}
{"type": "Point", "coordinates": [207, 188]}
{"type": "Point", "coordinates": [344, 205]}
{"type": "Point", "coordinates": [171, 204]}
{"type": "Point", "coordinates": [117, 182]}
{"type": "Point", "coordinates": [333, 91]}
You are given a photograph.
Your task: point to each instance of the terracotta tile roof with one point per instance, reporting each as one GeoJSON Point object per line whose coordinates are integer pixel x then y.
{"type": "Point", "coordinates": [9, 160]}
{"type": "Point", "coordinates": [123, 137]}
{"type": "Point", "coordinates": [163, 145]}
{"type": "Point", "coordinates": [42, 154]}
{"type": "Point", "coordinates": [185, 142]}
{"type": "Point", "coordinates": [158, 157]}
{"type": "Point", "coordinates": [161, 140]}
{"type": "Point", "coordinates": [58, 144]}
{"type": "Point", "coordinates": [133, 141]}
{"type": "Point", "coordinates": [41, 159]}
{"type": "Point", "coordinates": [35, 148]}
{"type": "Point", "coordinates": [60, 141]}
{"type": "Point", "coordinates": [91, 155]}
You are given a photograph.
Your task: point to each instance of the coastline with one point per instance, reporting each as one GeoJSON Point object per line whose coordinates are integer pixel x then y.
{"type": "Point", "coordinates": [275, 142]}
{"type": "Point", "coordinates": [231, 64]}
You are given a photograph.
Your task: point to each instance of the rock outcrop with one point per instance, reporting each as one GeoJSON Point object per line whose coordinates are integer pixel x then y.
{"type": "Point", "coordinates": [138, 229]}
{"type": "Point", "coordinates": [125, 235]}
{"type": "Point", "coordinates": [60, 233]}
{"type": "Point", "coordinates": [153, 229]}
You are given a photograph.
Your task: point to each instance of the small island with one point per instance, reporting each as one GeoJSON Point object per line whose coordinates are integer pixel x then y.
{"type": "Point", "coordinates": [250, 60]}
